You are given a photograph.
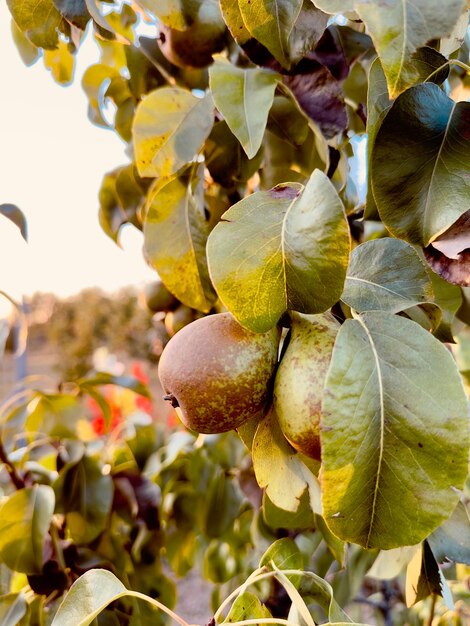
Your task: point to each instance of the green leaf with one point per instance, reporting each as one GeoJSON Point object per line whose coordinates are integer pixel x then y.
{"type": "Point", "coordinates": [308, 29]}
{"type": "Point", "coordinates": [282, 249]}
{"type": "Point", "coordinates": [222, 504]}
{"type": "Point", "coordinates": [279, 470]}
{"type": "Point", "coordinates": [301, 610]}
{"type": "Point", "coordinates": [275, 517]}
{"type": "Point", "coordinates": [246, 606]}
{"type": "Point", "coordinates": [112, 26]}
{"type": "Point", "coordinates": [287, 28]}
{"type": "Point", "coordinates": [378, 105]}
{"type": "Point", "coordinates": [85, 495]}
{"type": "Point", "coordinates": [394, 433]}
{"type": "Point", "coordinates": [26, 516]}
{"type": "Point", "coordinates": [426, 61]}
{"type": "Point", "coordinates": [462, 352]}
{"type": "Point", "coordinates": [111, 215]}
{"type": "Point", "coordinates": [170, 127]}
{"type": "Point", "coordinates": [271, 22]}
{"type": "Point", "coordinates": [92, 82]}
{"type": "Point", "coordinates": [180, 550]}
{"type": "Point", "coordinates": [285, 554]}
{"type": "Point", "coordinates": [220, 562]}
{"type": "Point", "coordinates": [55, 414]}
{"type": "Point", "coordinates": [287, 121]}
{"type": "Point", "coordinates": [427, 315]}
{"type": "Point", "coordinates": [88, 596]}
{"type": "Point", "coordinates": [175, 235]}
{"type": "Point", "coordinates": [124, 118]}
{"type": "Point", "coordinates": [451, 541]}
{"type": "Point", "coordinates": [432, 183]}
{"type": "Point", "coordinates": [386, 275]}
{"type": "Point", "coordinates": [170, 12]}
{"type": "Point", "coordinates": [38, 19]}
{"type": "Point", "coordinates": [284, 161]}
{"type": "Point", "coordinates": [335, 6]}
{"type": "Point", "coordinates": [225, 158]}
{"type": "Point", "coordinates": [348, 582]}
{"type": "Point", "coordinates": [61, 63]}
{"type": "Point", "coordinates": [104, 378]}
{"type": "Point", "coordinates": [449, 299]}
{"type": "Point", "coordinates": [103, 404]}
{"type": "Point", "coordinates": [244, 97]}
{"type": "Point", "coordinates": [233, 18]}
{"type": "Point", "coordinates": [313, 587]}
{"type": "Point", "coordinates": [13, 608]}
{"type": "Point", "coordinates": [121, 197]}
{"type": "Point", "coordinates": [15, 215]}
{"type": "Point", "coordinates": [336, 546]}
{"type": "Point", "coordinates": [29, 53]}
{"type": "Point", "coordinates": [399, 27]}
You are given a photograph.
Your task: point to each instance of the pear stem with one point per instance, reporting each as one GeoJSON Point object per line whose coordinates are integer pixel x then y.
{"type": "Point", "coordinates": [171, 398]}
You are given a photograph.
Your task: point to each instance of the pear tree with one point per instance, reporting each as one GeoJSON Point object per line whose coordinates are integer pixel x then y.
{"type": "Point", "coordinates": [300, 173]}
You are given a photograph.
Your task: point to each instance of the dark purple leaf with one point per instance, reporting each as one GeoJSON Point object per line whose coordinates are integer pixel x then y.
{"type": "Point", "coordinates": [320, 96]}
{"type": "Point", "coordinates": [339, 47]}
{"type": "Point", "coordinates": [449, 254]}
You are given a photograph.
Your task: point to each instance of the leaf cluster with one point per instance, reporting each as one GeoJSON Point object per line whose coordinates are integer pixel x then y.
{"type": "Point", "coordinates": [243, 123]}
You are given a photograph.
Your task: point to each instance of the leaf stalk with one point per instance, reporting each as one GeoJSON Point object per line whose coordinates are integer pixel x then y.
{"type": "Point", "coordinates": [15, 478]}
{"type": "Point", "coordinates": [464, 66]}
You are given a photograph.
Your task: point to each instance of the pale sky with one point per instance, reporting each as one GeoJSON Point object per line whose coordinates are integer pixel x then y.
{"type": "Point", "coordinates": [52, 159]}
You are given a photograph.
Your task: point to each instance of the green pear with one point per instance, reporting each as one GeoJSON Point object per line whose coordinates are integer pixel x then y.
{"type": "Point", "coordinates": [217, 374]}
{"type": "Point", "coordinates": [204, 35]}
{"type": "Point", "coordinates": [157, 297]}
{"type": "Point", "coordinates": [298, 387]}
{"type": "Point", "coordinates": [178, 319]}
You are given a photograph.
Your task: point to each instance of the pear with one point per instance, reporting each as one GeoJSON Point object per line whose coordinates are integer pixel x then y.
{"type": "Point", "coordinates": [157, 297]}
{"type": "Point", "coordinates": [217, 374]}
{"type": "Point", "coordinates": [298, 387]}
{"type": "Point", "coordinates": [178, 319]}
{"type": "Point", "coordinates": [204, 35]}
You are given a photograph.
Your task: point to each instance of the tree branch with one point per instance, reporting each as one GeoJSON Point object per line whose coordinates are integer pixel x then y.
{"type": "Point", "coordinates": [15, 478]}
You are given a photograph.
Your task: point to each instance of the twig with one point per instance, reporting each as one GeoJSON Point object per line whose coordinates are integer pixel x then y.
{"type": "Point", "coordinates": [15, 478]}
{"type": "Point", "coordinates": [432, 609]}
{"type": "Point", "coordinates": [54, 533]}
{"type": "Point", "coordinates": [387, 593]}
{"type": "Point", "coordinates": [158, 605]}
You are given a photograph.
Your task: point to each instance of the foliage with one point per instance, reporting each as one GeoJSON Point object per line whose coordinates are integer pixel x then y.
{"type": "Point", "coordinates": [74, 328]}
{"type": "Point", "coordinates": [244, 122]}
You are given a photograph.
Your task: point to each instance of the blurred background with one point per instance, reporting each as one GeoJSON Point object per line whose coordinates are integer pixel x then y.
{"type": "Point", "coordinates": [80, 292]}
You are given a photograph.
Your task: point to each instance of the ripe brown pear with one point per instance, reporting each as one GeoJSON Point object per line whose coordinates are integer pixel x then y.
{"type": "Point", "coordinates": [218, 374]}
{"type": "Point", "coordinates": [298, 387]}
